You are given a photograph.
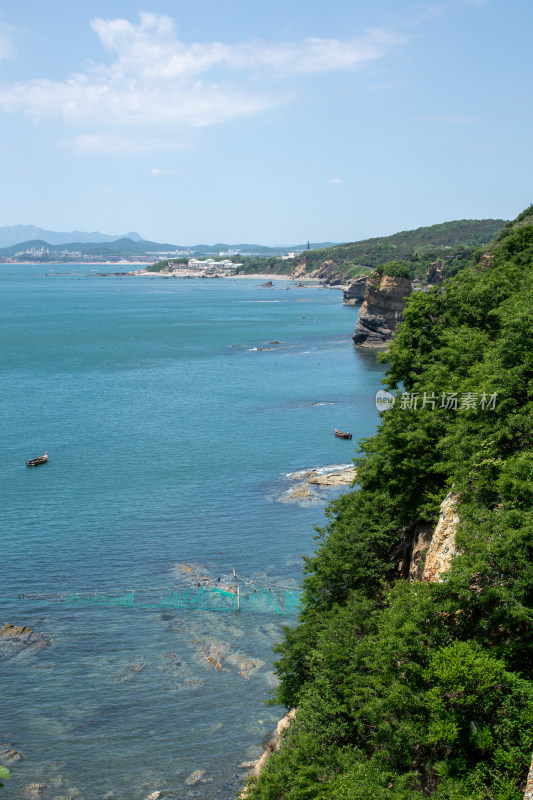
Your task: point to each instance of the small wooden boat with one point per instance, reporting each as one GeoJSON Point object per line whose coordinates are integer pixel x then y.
{"type": "Point", "coordinates": [34, 462]}
{"type": "Point", "coordinates": [342, 435]}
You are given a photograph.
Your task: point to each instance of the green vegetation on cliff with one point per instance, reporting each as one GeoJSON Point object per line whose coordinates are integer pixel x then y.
{"type": "Point", "coordinates": [167, 264]}
{"type": "Point", "coordinates": [408, 690]}
{"type": "Point", "coordinates": [419, 248]}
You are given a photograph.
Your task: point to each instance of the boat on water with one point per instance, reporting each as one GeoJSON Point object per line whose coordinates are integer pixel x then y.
{"type": "Point", "coordinates": [34, 462]}
{"type": "Point", "coordinates": [342, 434]}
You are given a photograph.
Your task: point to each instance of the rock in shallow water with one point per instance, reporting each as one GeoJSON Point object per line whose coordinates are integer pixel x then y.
{"type": "Point", "coordinates": [9, 754]}
{"type": "Point", "coordinates": [195, 777]}
{"type": "Point", "coordinates": [34, 790]}
{"type": "Point", "coordinates": [16, 638]}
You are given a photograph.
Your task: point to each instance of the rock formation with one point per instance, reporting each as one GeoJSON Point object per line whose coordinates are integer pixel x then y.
{"type": "Point", "coordinates": [381, 310]}
{"type": "Point", "coordinates": [434, 273]}
{"type": "Point", "coordinates": [271, 747]}
{"type": "Point", "coordinates": [428, 555]}
{"type": "Point", "coordinates": [529, 786]}
{"type": "Point", "coordinates": [431, 551]}
{"type": "Point", "coordinates": [15, 638]}
{"type": "Point", "coordinates": [419, 548]}
{"type": "Point", "coordinates": [342, 476]}
{"type": "Point", "coordinates": [354, 292]}
{"type": "Point", "coordinates": [442, 547]}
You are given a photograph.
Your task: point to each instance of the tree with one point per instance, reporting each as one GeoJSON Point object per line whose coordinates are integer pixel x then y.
{"type": "Point", "coordinates": [4, 774]}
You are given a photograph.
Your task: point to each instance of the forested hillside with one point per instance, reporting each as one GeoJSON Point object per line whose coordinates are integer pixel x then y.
{"type": "Point", "coordinates": [419, 247]}
{"type": "Point", "coordinates": [410, 689]}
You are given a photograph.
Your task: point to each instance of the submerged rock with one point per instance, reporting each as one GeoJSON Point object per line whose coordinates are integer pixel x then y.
{"type": "Point", "coordinates": [7, 753]}
{"type": "Point", "coordinates": [34, 789]}
{"type": "Point", "coordinates": [247, 665]}
{"type": "Point", "coordinates": [300, 492]}
{"type": "Point", "coordinates": [197, 575]}
{"type": "Point", "coordinates": [214, 653]}
{"type": "Point", "coordinates": [195, 777]}
{"type": "Point", "coordinates": [129, 671]}
{"type": "Point", "coordinates": [16, 638]}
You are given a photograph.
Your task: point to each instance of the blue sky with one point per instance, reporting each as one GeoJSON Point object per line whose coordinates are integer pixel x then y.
{"type": "Point", "coordinates": [272, 123]}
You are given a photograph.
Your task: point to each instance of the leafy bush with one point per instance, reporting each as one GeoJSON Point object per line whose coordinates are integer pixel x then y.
{"type": "Point", "coordinates": [409, 690]}
{"type": "Point", "coordinates": [4, 774]}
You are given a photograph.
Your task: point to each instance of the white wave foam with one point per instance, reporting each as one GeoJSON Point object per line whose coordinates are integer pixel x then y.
{"type": "Point", "coordinates": [319, 470]}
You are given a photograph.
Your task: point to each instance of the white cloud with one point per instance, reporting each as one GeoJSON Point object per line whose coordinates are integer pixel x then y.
{"type": "Point", "coordinates": [152, 50]}
{"type": "Point", "coordinates": [7, 47]}
{"type": "Point", "coordinates": [155, 82]}
{"type": "Point", "coordinates": [160, 173]}
{"type": "Point", "coordinates": [336, 180]}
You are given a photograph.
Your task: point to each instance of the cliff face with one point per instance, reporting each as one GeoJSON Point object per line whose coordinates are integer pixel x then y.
{"type": "Point", "coordinates": [434, 273]}
{"type": "Point", "coordinates": [354, 292]}
{"type": "Point", "coordinates": [382, 308]}
{"type": "Point", "coordinates": [442, 546]}
{"type": "Point", "coordinates": [430, 552]}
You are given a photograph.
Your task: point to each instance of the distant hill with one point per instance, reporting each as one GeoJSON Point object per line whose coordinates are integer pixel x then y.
{"type": "Point", "coordinates": [119, 247]}
{"type": "Point", "coordinates": [343, 260]}
{"type": "Point", "coordinates": [523, 220]}
{"type": "Point", "coordinates": [221, 247]}
{"type": "Point", "coordinates": [17, 234]}
{"type": "Point", "coordinates": [128, 246]}
{"type": "Point", "coordinates": [348, 260]}
{"type": "Point", "coordinates": [312, 246]}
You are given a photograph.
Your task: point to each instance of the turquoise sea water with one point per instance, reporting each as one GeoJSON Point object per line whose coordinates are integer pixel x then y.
{"type": "Point", "coordinates": [170, 435]}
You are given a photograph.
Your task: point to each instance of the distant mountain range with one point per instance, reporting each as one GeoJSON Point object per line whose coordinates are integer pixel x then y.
{"type": "Point", "coordinates": [17, 234]}
{"type": "Point", "coordinates": [368, 252]}
{"type": "Point", "coordinates": [22, 237]}
{"type": "Point", "coordinates": [127, 247]}
{"type": "Point", "coordinates": [124, 247]}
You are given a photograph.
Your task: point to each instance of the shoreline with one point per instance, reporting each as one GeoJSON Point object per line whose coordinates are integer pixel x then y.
{"type": "Point", "coordinates": [188, 273]}
{"type": "Point", "coordinates": [308, 480]}
{"type": "Point", "coordinates": [183, 273]}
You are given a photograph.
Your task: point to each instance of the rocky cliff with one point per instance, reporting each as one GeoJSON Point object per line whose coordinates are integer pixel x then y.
{"type": "Point", "coordinates": [434, 273]}
{"type": "Point", "coordinates": [382, 308]}
{"type": "Point", "coordinates": [529, 786]}
{"type": "Point", "coordinates": [442, 546]}
{"type": "Point", "coordinates": [428, 555]}
{"type": "Point", "coordinates": [354, 292]}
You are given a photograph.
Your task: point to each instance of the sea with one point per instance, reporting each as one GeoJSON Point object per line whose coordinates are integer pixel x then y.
{"type": "Point", "coordinates": [174, 413]}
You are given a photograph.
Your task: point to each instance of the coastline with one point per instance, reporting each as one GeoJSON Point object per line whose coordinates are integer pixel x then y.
{"type": "Point", "coordinates": [188, 273]}
{"type": "Point", "coordinates": [178, 273]}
